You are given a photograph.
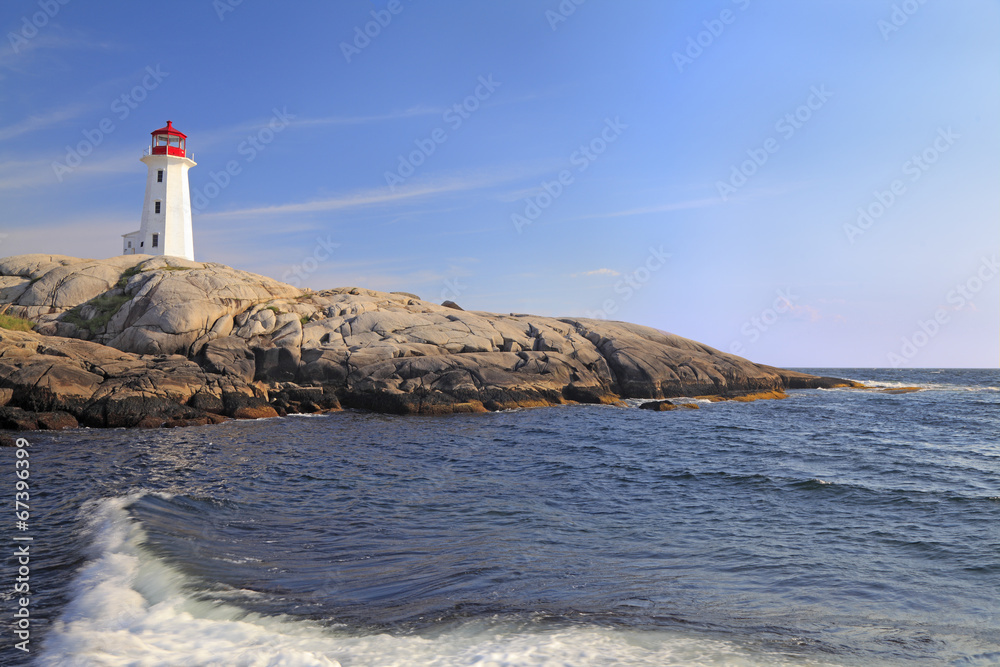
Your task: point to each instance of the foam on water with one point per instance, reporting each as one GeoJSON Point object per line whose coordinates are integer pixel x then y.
{"type": "Point", "coordinates": [129, 607]}
{"type": "Point", "coordinates": [926, 386]}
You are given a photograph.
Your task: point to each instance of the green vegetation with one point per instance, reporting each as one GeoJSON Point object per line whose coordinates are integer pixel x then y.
{"type": "Point", "coordinates": [273, 309]}
{"type": "Point", "coordinates": [106, 305]}
{"type": "Point", "coordinates": [304, 320]}
{"type": "Point", "coordinates": [128, 273]}
{"type": "Point", "coordinates": [15, 323]}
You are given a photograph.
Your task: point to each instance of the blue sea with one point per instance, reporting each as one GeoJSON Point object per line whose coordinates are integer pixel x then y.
{"type": "Point", "coordinates": [836, 527]}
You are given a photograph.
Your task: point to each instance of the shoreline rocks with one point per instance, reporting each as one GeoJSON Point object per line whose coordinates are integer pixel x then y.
{"type": "Point", "coordinates": [141, 341]}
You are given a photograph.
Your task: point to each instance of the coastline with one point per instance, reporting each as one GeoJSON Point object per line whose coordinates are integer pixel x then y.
{"type": "Point", "coordinates": [140, 341]}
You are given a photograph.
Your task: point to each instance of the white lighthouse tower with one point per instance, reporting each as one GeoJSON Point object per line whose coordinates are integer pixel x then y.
{"type": "Point", "coordinates": [165, 228]}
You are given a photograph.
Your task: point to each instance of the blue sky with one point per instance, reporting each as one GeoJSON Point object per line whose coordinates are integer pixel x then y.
{"type": "Point", "coordinates": [803, 183]}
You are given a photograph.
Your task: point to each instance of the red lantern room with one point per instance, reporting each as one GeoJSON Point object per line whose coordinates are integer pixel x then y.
{"type": "Point", "coordinates": [168, 141]}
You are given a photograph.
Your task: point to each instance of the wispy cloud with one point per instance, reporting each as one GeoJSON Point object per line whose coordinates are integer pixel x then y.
{"type": "Point", "coordinates": [660, 208]}
{"type": "Point", "coordinates": [121, 162]}
{"type": "Point", "coordinates": [377, 118]}
{"type": "Point", "coordinates": [211, 137]}
{"type": "Point", "coordinates": [51, 38]}
{"type": "Point", "coordinates": [596, 272]}
{"type": "Point", "coordinates": [380, 196]}
{"type": "Point", "coordinates": [801, 311]}
{"type": "Point", "coordinates": [93, 236]}
{"type": "Point", "coordinates": [232, 133]}
{"type": "Point", "coordinates": [17, 174]}
{"type": "Point", "coordinates": [40, 121]}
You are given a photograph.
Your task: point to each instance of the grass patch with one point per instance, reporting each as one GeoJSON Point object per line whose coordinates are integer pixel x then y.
{"type": "Point", "coordinates": [107, 306]}
{"type": "Point", "coordinates": [128, 273]}
{"type": "Point", "coordinates": [273, 309]}
{"type": "Point", "coordinates": [15, 323]}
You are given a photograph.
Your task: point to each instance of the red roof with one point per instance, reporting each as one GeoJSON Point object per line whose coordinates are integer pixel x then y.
{"type": "Point", "coordinates": [169, 129]}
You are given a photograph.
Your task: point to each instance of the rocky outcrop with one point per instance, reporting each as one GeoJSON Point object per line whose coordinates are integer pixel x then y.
{"type": "Point", "coordinates": [53, 382]}
{"type": "Point", "coordinates": [134, 303]}
{"type": "Point", "coordinates": [136, 339]}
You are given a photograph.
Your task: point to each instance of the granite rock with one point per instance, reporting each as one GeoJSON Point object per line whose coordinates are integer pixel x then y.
{"type": "Point", "coordinates": [140, 340]}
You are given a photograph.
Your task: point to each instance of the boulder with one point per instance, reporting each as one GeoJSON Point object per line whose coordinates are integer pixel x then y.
{"type": "Point", "coordinates": [55, 383]}
{"type": "Point", "coordinates": [228, 356]}
{"type": "Point", "coordinates": [241, 406]}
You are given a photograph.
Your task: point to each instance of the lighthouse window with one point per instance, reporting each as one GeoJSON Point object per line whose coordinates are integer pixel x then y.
{"type": "Point", "coordinates": [156, 240]}
{"type": "Point", "coordinates": [156, 207]}
{"type": "Point", "coordinates": [159, 176]}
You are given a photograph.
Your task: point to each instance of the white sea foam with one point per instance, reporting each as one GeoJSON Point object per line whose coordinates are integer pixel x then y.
{"type": "Point", "coordinates": [130, 608]}
{"type": "Point", "coordinates": [926, 386]}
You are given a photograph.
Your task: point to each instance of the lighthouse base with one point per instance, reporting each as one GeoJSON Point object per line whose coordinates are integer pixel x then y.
{"type": "Point", "coordinates": [130, 243]}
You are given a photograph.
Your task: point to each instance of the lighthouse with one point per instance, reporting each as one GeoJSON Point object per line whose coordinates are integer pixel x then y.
{"type": "Point", "coordinates": [165, 227]}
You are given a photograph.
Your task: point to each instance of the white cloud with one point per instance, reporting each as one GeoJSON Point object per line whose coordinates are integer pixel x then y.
{"type": "Point", "coordinates": [35, 51]}
{"type": "Point", "coordinates": [41, 121]}
{"type": "Point", "coordinates": [17, 174]}
{"type": "Point", "coordinates": [660, 208]}
{"type": "Point", "coordinates": [233, 132]}
{"type": "Point", "coordinates": [379, 196]}
{"type": "Point", "coordinates": [97, 237]}
{"type": "Point", "coordinates": [378, 118]}
{"type": "Point", "coordinates": [596, 272]}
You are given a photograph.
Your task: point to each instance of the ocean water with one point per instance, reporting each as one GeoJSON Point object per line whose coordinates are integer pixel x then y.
{"type": "Point", "coordinates": [836, 527]}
